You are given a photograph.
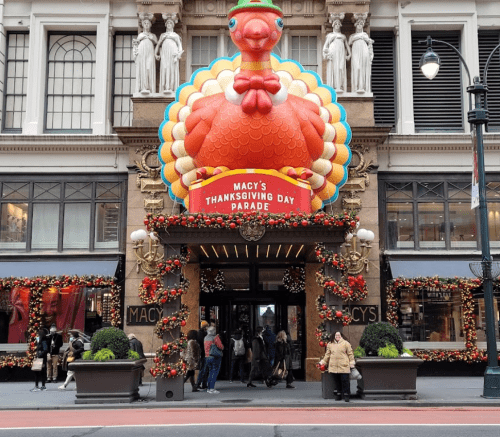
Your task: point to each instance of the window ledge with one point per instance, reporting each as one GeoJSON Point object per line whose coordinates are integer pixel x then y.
{"type": "Point", "coordinates": [447, 345]}
{"type": "Point", "coordinates": [440, 137]}
{"type": "Point", "coordinates": [431, 252]}
{"type": "Point", "coordinates": [48, 142]}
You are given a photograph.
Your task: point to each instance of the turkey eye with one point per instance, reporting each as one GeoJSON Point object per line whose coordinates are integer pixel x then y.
{"type": "Point", "coordinates": [280, 24]}
{"type": "Point", "coordinates": [232, 24]}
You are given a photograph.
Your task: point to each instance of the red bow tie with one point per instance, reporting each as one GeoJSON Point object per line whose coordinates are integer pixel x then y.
{"type": "Point", "coordinates": [257, 97]}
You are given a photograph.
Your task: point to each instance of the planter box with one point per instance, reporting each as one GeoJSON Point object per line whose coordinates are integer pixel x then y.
{"type": "Point", "coordinates": [114, 381]}
{"type": "Point", "coordinates": [388, 378]}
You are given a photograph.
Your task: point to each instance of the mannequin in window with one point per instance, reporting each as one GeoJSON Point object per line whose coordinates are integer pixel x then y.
{"type": "Point", "coordinates": [362, 56]}
{"type": "Point", "coordinates": [171, 52]}
{"type": "Point", "coordinates": [144, 56]}
{"type": "Point", "coordinates": [336, 51]}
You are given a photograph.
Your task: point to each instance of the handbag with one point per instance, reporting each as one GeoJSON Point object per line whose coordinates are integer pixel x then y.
{"type": "Point", "coordinates": [37, 364]}
{"type": "Point", "coordinates": [355, 374]}
{"type": "Point", "coordinates": [215, 351]}
{"type": "Point", "coordinates": [280, 371]}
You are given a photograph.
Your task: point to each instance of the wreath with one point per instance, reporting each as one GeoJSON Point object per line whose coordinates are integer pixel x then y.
{"type": "Point", "coordinates": [212, 280]}
{"type": "Point", "coordinates": [294, 279]}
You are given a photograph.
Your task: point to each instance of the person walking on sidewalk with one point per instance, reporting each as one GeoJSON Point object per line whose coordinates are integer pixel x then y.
{"type": "Point", "coordinates": [201, 382]}
{"type": "Point", "coordinates": [42, 349]}
{"type": "Point", "coordinates": [136, 345]}
{"type": "Point", "coordinates": [238, 355]}
{"type": "Point", "coordinates": [283, 358]}
{"type": "Point", "coordinates": [73, 353]}
{"type": "Point", "coordinates": [340, 360]}
{"type": "Point", "coordinates": [213, 357]}
{"type": "Point", "coordinates": [260, 361]}
{"type": "Point", "coordinates": [55, 341]}
{"type": "Point", "coordinates": [269, 338]}
{"type": "Point", "coordinates": [191, 355]}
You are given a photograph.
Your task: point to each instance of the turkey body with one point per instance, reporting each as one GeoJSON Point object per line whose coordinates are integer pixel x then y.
{"type": "Point", "coordinates": [221, 134]}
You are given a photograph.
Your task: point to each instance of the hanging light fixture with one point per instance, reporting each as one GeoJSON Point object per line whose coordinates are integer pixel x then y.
{"type": "Point", "coordinates": [430, 61]}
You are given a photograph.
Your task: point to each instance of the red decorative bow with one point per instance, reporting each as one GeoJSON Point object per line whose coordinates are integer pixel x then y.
{"type": "Point", "coordinates": [257, 97]}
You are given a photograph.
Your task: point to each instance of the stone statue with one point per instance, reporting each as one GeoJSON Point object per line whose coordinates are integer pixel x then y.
{"type": "Point", "coordinates": [171, 52]}
{"type": "Point", "coordinates": [362, 56]}
{"type": "Point", "coordinates": [144, 56]}
{"type": "Point", "coordinates": [336, 51]}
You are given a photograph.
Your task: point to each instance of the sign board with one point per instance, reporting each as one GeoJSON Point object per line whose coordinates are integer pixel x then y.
{"type": "Point", "coordinates": [250, 190]}
{"type": "Point", "coordinates": [143, 315]}
{"type": "Point", "coordinates": [363, 314]}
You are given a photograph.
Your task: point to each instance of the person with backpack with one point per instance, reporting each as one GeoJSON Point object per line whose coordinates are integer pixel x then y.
{"type": "Point", "coordinates": [238, 355]}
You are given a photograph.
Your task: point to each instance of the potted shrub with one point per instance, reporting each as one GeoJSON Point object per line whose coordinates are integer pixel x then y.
{"type": "Point", "coordinates": [109, 372]}
{"type": "Point", "coordinates": [387, 369]}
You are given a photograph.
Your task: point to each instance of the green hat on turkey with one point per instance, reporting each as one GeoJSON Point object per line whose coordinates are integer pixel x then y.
{"type": "Point", "coordinates": [255, 4]}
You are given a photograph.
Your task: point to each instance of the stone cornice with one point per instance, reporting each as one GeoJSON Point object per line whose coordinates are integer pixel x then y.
{"type": "Point", "coordinates": [370, 135]}
{"type": "Point", "coordinates": [138, 136]}
{"type": "Point", "coordinates": [60, 143]}
{"type": "Point", "coordinates": [437, 142]}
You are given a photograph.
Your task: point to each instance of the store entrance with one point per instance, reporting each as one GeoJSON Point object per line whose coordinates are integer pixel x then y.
{"type": "Point", "coordinates": [254, 295]}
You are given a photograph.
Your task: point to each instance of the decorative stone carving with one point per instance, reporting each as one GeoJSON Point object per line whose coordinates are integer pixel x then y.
{"type": "Point", "coordinates": [170, 49]}
{"type": "Point", "coordinates": [148, 179]}
{"type": "Point", "coordinates": [144, 56]}
{"type": "Point", "coordinates": [336, 51]}
{"type": "Point", "coordinates": [252, 231]}
{"type": "Point", "coordinates": [362, 56]}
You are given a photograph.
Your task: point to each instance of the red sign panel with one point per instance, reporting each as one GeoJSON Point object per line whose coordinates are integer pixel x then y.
{"type": "Point", "coordinates": [250, 190]}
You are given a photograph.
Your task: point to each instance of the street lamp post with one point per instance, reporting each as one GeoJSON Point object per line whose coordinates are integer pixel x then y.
{"type": "Point", "coordinates": [477, 116]}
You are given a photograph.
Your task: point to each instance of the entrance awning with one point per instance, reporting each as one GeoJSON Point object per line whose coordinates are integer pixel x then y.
{"type": "Point", "coordinates": [428, 268]}
{"type": "Point", "coordinates": [29, 269]}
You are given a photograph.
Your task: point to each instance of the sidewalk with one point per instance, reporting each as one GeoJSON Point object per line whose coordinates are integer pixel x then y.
{"type": "Point", "coordinates": [432, 392]}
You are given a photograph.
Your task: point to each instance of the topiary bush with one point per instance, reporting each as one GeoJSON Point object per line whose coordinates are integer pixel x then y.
{"type": "Point", "coordinates": [104, 355]}
{"type": "Point", "coordinates": [111, 338]}
{"type": "Point", "coordinates": [378, 335]}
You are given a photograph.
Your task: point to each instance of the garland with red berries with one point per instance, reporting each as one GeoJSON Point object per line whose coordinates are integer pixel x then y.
{"type": "Point", "coordinates": [177, 319]}
{"type": "Point", "coordinates": [331, 313]}
{"type": "Point", "coordinates": [471, 354]}
{"type": "Point", "coordinates": [37, 286]}
{"type": "Point", "coordinates": [151, 291]}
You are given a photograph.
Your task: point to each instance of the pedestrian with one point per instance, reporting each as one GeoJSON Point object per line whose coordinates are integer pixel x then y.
{"type": "Point", "coordinates": [260, 360]}
{"type": "Point", "coordinates": [55, 342]}
{"type": "Point", "coordinates": [73, 353]}
{"type": "Point", "coordinates": [283, 359]}
{"type": "Point", "coordinates": [136, 345]}
{"type": "Point", "coordinates": [42, 349]}
{"type": "Point", "coordinates": [213, 357]}
{"type": "Point", "coordinates": [238, 355]}
{"type": "Point", "coordinates": [270, 340]}
{"type": "Point", "coordinates": [191, 356]}
{"type": "Point", "coordinates": [201, 382]}
{"type": "Point", "coordinates": [340, 360]}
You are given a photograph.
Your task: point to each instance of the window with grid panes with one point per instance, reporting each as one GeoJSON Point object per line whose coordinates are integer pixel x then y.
{"type": "Point", "coordinates": [70, 83]}
{"type": "Point", "coordinates": [203, 51]}
{"type": "Point", "coordinates": [16, 76]}
{"type": "Point", "coordinates": [384, 77]}
{"type": "Point", "coordinates": [488, 40]}
{"type": "Point", "coordinates": [438, 103]}
{"type": "Point", "coordinates": [304, 49]}
{"type": "Point", "coordinates": [124, 79]}
{"type": "Point", "coordinates": [426, 214]}
{"type": "Point", "coordinates": [62, 213]}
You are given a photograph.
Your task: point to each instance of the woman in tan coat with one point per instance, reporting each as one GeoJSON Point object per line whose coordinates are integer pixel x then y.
{"type": "Point", "coordinates": [340, 360]}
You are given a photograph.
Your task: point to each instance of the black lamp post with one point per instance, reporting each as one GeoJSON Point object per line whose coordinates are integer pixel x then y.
{"type": "Point", "coordinates": [477, 116]}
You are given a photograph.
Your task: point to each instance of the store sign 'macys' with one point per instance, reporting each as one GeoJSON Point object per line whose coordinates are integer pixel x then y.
{"type": "Point", "coordinates": [250, 190]}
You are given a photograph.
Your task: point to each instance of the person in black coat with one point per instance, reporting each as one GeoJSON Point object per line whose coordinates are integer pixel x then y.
{"type": "Point", "coordinates": [55, 342]}
{"type": "Point", "coordinates": [283, 357]}
{"type": "Point", "coordinates": [260, 361]}
{"type": "Point", "coordinates": [76, 349]}
{"type": "Point", "coordinates": [136, 346]}
{"type": "Point", "coordinates": [42, 349]}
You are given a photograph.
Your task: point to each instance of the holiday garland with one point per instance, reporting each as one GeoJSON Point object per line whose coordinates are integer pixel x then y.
{"type": "Point", "coordinates": [294, 279]}
{"type": "Point", "coordinates": [37, 286]}
{"type": "Point", "coordinates": [329, 312]}
{"type": "Point", "coordinates": [345, 220]}
{"type": "Point", "coordinates": [471, 353]}
{"type": "Point", "coordinates": [151, 291]}
{"type": "Point", "coordinates": [212, 280]}
{"type": "Point", "coordinates": [177, 319]}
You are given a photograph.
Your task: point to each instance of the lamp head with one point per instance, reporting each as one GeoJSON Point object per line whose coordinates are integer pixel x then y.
{"type": "Point", "coordinates": [138, 235]}
{"type": "Point", "coordinates": [362, 234]}
{"type": "Point", "coordinates": [429, 62]}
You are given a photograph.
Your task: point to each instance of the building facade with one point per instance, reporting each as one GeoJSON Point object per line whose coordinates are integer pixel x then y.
{"type": "Point", "coordinates": [79, 168]}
